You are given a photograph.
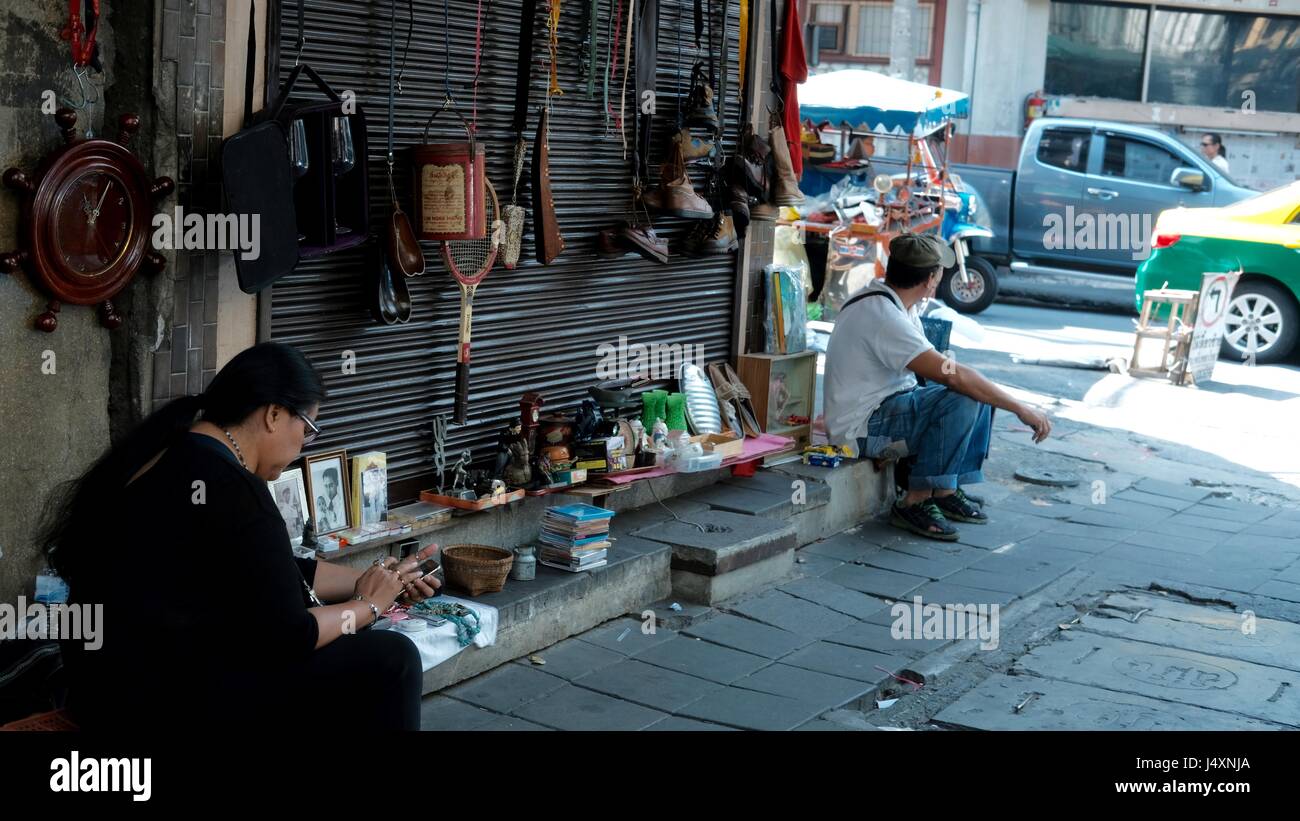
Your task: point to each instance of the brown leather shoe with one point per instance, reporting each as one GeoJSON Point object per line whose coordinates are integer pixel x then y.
{"type": "Point", "coordinates": [674, 194]}
{"type": "Point", "coordinates": [785, 188]}
{"type": "Point", "coordinates": [610, 244]}
{"type": "Point", "coordinates": [643, 240]}
{"type": "Point", "coordinates": [693, 148]}
{"type": "Point", "coordinates": [763, 212]}
{"type": "Point", "coordinates": [715, 237]}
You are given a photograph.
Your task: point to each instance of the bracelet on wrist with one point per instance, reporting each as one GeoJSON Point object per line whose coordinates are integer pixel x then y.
{"type": "Point", "coordinates": [373, 609]}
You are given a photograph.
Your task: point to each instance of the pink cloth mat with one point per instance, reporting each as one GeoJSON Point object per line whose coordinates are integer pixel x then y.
{"type": "Point", "coordinates": [755, 448]}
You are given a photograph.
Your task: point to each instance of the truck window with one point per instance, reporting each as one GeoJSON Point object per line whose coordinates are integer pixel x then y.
{"type": "Point", "coordinates": [1065, 148]}
{"type": "Point", "coordinates": [1138, 161]}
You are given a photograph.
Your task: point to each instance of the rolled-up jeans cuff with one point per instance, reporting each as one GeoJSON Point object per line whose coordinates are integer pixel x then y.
{"type": "Point", "coordinates": [973, 477]}
{"type": "Point", "coordinates": [946, 482]}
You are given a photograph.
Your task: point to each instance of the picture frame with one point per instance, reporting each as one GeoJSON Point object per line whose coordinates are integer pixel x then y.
{"type": "Point", "coordinates": [369, 488]}
{"type": "Point", "coordinates": [327, 491]}
{"type": "Point", "coordinates": [289, 492]}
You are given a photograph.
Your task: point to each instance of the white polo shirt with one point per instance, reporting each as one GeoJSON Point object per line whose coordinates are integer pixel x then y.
{"type": "Point", "coordinates": [866, 360]}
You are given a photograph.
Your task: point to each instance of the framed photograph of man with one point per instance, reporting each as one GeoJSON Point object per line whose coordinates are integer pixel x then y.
{"type": "Point", "coordinates": [327, 489]}
{"type": "Point", "coordinates": [290, 496]}
{"type": "Point", "coordinates": [369, 497]}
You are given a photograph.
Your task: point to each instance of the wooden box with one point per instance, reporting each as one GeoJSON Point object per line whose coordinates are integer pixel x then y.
{"type": "Point", "coordinates": [782, 385]}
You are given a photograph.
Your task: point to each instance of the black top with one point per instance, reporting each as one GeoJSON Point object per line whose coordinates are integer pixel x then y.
{"type": "Point", "coordinates": [199, 587]}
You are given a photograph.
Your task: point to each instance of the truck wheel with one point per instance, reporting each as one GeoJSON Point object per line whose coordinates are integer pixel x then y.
{"type": "Point", "coordinates": [974, 296]}
{"type": "Point", "coordinates": [1263, 319]}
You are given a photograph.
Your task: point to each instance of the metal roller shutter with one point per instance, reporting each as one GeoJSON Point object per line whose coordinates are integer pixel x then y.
{"type": "Point", "coordinates": [535, 328]}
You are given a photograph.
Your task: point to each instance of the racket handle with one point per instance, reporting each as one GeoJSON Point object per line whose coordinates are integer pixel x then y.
{"type": "Point", "coordinates": [462, 392]}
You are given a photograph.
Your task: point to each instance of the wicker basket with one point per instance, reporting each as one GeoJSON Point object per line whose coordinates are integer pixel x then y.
{"type": "Point", "coordinates": [476, 568]}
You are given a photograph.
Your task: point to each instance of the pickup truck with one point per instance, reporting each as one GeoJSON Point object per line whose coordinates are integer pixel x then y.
{"type": "Point", "coordinates": [1074, 221]}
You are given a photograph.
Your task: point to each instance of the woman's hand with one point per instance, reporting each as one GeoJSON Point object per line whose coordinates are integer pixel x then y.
{"type": "Point", "coordinates": [380, 584]}
{"type": "Point", "coordinates": [418, 586]}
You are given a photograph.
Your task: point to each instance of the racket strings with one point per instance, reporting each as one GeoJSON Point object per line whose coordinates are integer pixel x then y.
{"type": "Point", "coordinates": [471, 258]}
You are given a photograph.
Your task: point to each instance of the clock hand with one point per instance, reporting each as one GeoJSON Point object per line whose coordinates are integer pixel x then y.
{"type": "Point", "coordinates": [101, 201]}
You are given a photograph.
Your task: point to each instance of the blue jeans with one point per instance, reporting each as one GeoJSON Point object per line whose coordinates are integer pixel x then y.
{"type": "Point", "coordinates": [946, 431]}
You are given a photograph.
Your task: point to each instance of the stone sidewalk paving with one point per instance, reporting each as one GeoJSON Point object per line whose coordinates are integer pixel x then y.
{"type": "Point", "coordinates": [784, 657]}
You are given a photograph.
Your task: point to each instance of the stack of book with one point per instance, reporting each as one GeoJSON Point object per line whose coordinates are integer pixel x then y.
{"type": "Point", "coordinates": [574, 537]}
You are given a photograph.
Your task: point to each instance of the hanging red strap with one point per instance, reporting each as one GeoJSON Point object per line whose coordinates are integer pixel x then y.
{"type": "Point", "coordinates": [618, 30]}
{"type": "Point", "coordinates": [81, 39]}
{"type": "Point", "coordinates": [478, 59]}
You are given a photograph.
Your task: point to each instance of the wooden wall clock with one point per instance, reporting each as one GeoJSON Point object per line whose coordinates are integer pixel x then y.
{"type": "Point", "coordinates": [86, 217]}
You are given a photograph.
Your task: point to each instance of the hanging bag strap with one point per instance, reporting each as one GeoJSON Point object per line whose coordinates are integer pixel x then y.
{"type": "Point", "coordinates": [299, 68]}
{"type": "Point", "coordinates": [250, 62]}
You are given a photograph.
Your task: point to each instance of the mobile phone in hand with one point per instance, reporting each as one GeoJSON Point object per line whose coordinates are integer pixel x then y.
{"type": "Point", "coordinates": [427, 568]}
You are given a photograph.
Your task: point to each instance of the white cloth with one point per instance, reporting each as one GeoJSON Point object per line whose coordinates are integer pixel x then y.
{"type": "Point", "coordinates": [437, 644]}
{"type": "Point", "coordinates": [866, 360]}
{"type": "Point", "coordinates": [1221, 163]}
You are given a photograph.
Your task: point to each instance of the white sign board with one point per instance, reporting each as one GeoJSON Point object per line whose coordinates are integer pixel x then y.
{"type": "Point", "coordinates": [1211, 316]}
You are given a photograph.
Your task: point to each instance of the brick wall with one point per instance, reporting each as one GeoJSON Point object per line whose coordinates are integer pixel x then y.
{"type": "Point", "coordinates": [191, 69]}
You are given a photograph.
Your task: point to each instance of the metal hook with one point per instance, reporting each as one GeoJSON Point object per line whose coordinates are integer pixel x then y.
{"type": "Point", "coordinates": [81, 73]}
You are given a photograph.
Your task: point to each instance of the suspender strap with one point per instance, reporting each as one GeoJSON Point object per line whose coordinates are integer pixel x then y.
{"type": "Point", "coordinates": [859, 298]}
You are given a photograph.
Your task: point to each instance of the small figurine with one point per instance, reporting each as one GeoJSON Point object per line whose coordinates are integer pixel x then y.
{"type": "Point", "coordinates": [461, 473]}
{"type": "Point", "coordinates": [309, 534]}
{"type": "Point", "coordinates": [544, 468]}
{"type": "Point", "coordinates": [518, 473]}
{"type": "Point", "coordinates": [588, 422]}
{"type": "Point", "coordinates": [513, 432]}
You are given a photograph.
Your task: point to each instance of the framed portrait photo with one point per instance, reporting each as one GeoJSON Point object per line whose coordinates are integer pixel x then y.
{"type": "Point", "coordinates": [369, 486]}
{"type": "Point", "coordinates": [290, 495]}
{"type": "Point", "coordinates": [327, 490]}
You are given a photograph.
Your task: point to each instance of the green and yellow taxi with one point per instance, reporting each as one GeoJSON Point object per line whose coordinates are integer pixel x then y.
{"type": "Point", "coordinates": [1260, 237]}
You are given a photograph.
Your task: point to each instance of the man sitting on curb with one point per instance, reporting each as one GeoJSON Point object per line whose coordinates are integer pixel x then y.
{"type": "Point", "coordinates": [875, 354]}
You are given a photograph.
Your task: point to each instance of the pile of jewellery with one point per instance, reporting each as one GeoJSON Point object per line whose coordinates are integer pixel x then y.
{"type": "Point", "coordinates": [454, 612]}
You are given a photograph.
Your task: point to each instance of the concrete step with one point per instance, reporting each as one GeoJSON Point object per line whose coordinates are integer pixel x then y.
{"type": "Point", "coordinates": [819, 502]}
{"type": "Point", "coordinates": [557, 604]}
{"type": "Point", "coordinates": [717, 555]}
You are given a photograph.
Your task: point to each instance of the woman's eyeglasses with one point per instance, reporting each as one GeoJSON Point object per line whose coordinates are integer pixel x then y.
{"type": "Point", "coordinates": [313, 430]}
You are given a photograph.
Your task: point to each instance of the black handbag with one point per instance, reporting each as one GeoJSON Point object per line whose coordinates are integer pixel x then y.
{"type": "Point", "coordinates": [259, 182]}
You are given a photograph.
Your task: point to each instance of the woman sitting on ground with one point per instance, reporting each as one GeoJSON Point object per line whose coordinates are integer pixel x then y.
{"type": "Point", "coordinates": [209, 619]}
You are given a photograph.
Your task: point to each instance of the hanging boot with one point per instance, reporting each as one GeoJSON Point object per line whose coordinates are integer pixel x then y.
{"type": "Point", "coordinates": [643, 240]}
{"type": "Point", "coordinates": [675, 195]}
{"type": "Point", "coordinates": [693, 148]}
{"type": "Point", "coordinates": [700, 109]}
{"type": "Point", "coordinates": [717, 236]}
{"type": "Point", "coordinates": [785, 187]}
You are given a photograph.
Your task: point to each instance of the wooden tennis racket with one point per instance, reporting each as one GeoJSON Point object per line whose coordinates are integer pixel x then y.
{"type": "Point", "coordinates": [469, 261]}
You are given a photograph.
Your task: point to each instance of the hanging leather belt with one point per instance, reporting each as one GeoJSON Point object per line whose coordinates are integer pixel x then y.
{"type": "Point", "coordinates": [547, 228]}
{"type": "Point", "coordinates": [548, 242]}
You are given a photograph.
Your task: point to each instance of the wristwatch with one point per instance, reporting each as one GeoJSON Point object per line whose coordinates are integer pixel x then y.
{"type": "Point", "coordinates": [373, 609]}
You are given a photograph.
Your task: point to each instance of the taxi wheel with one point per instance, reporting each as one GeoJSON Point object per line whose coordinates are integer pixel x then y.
{"type": "Point", "coordinates": [1262, 320]}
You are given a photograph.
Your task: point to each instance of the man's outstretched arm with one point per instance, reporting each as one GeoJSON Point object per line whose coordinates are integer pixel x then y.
{"type": "Point", "coordinates": [934, 367]}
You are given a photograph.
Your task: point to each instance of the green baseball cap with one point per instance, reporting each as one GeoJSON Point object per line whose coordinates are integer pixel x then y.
{"type": "Point", "coordinates": [921, 251]}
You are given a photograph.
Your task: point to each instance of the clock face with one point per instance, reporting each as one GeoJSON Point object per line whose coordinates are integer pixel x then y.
{"type": "Point", "coordinates": [92, 215]}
